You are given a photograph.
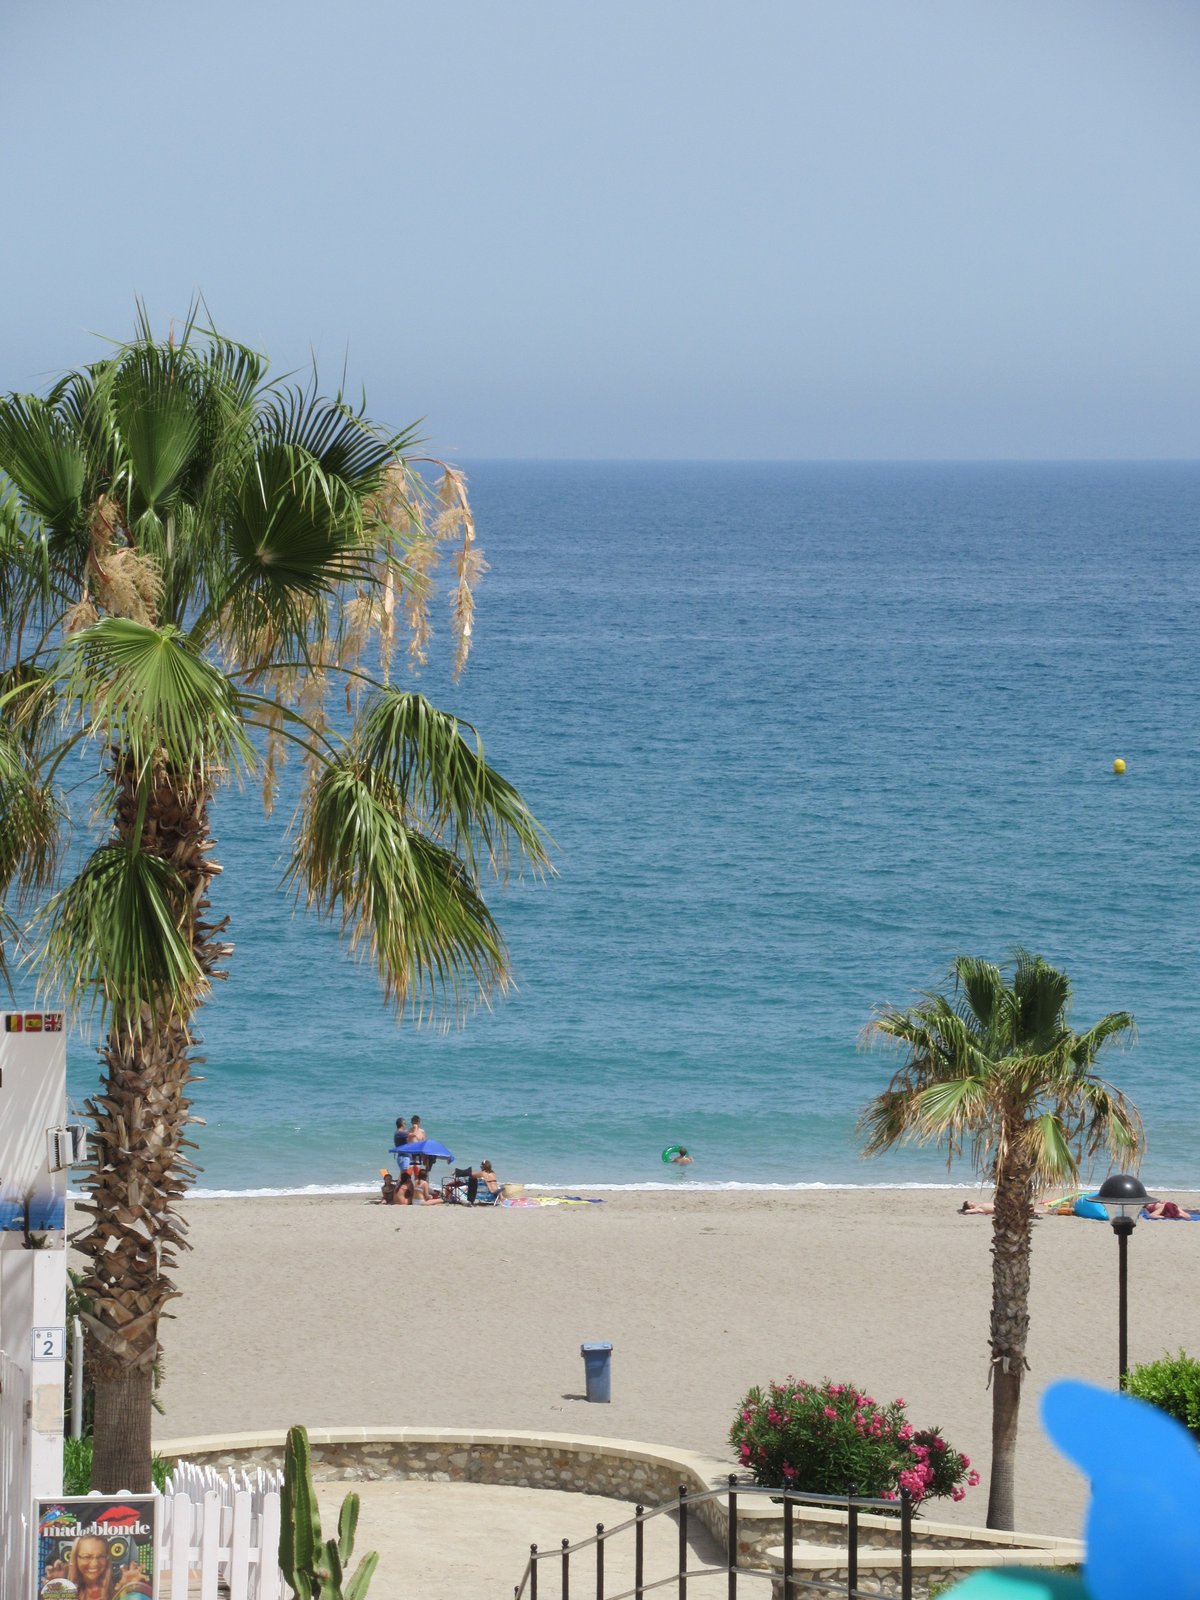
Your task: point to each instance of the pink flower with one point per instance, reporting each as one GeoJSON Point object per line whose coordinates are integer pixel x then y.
{"type": "Point", "coordinates": [973, 1479]}
{"type": "Point", "coordinates": [966, 1460]}
{"type": "Point", "coordinates": [830, 1412]}
{"type": "Point", "coordinates": [788, 1471]}
{"type": "Point", "coordinates": [774, 1417]}
{"type": "Point", "coordinates": [958, 1494]}
{"type": "Point", "coordinates": [746, 1416]}
{"type": "Point", "coordinates": [905, 1431]}
{"type": "Point", "coordinates": [888, 1494]}
{"type": "Point", "coordinates": [897, 1402]}
{"type": "Point", "coordinates": [939, 1443]}
{"type": "Point", "coordinates": [868, 1400]}
{"type": "Point", "coordinates": [745, 1455]}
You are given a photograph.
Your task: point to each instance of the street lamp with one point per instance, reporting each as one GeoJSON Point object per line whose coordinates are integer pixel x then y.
{"type": "Point", "coordinates": [1125, 1195]}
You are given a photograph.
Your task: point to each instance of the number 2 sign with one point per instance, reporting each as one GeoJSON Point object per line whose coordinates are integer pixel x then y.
{"type": "Point", "coordinates": [49, 1344]}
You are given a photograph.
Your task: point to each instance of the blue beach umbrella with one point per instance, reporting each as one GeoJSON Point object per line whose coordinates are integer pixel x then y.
{"type": "Point", "coordinates": [429, 1148]}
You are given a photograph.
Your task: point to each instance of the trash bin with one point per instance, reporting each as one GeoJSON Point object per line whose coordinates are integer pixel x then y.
{"type": "Point", "coordinates": [597, 1371]}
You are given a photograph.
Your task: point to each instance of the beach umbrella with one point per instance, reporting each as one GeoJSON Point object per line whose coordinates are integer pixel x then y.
{"type": "Point", "coordinates": [429, 1148]}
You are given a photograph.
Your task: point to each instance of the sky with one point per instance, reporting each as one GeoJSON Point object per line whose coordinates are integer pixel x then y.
{"type": "Point", "coordinates": [714, 229]}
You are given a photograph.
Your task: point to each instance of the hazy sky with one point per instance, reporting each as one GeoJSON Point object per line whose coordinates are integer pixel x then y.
{"type": "Point", "coordinates": [711, 228]}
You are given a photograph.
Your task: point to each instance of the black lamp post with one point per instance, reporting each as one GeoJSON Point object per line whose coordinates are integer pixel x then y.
{"type": "Point", "coordinates": [1125, 1196]}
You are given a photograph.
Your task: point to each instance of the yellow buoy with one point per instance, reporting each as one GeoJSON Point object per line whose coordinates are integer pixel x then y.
{"type": "Point", "coordinates": [1118, 766]}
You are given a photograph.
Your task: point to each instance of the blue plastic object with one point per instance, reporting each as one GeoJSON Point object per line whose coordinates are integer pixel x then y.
{"type": "Point", "coordinates": [1093, 1209]}
{"type": "Point", "coordinates": [1143, 1534]}
{"type": "Point", "coordinates": [597, 1371]}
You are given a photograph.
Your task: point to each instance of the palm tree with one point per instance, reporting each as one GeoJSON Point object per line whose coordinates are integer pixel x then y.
{"type": "Point", "coordinates": [997, 1066]}
{"type": "Point", "coordinates": [192, 558]}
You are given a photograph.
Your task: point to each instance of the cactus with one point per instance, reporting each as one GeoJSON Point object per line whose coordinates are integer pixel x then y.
{"type": "Point", "coordinates": [313, 1568]}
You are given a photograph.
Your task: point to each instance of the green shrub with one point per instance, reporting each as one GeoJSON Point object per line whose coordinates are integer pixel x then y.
{"type": "Point", "coordinates": [831, 1438]}
{"type": "Point", "coordinates": [77, 1467]}
{"type": "Point", "coordinates": [1173, 1385]}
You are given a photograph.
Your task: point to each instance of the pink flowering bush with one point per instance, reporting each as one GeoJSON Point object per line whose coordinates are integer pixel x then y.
{"type": "Point", "coordinates": [832, 1438]}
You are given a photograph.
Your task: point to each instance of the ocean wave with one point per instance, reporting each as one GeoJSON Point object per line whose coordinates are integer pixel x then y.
{"type": "Point", "coordinates": [692, 1186]}
{"type": "Point", "coordinates": [686, 1186]}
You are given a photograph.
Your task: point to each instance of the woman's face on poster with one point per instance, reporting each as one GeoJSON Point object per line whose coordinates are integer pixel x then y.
{"type": "Point", "coordinates": [92, 1560]}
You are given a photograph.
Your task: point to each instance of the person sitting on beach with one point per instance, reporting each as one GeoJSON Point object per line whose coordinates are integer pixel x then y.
{"type": "Point", "coordinates": [681, 1157]}
{"type": "Point", "coordinates": [976, 1208]}
{"type": "Point", "coordinates": [387, 1190]}
{"type": "Point", "coordinates": [485, 1175]}
{"type": "Point", "coordinates": [423, 1194]}
{"type": "Point", "coordinates": [404, 1190]}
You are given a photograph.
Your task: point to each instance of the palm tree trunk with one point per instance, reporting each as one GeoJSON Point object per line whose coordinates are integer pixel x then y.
{"type": "Point", "coordinates": [1012, 1238]}
{"type": "Point", "coordinates": [139, 1169]}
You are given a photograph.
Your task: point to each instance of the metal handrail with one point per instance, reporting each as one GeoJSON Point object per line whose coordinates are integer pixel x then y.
{"type": "Point", "coordinates": [900, 1509]}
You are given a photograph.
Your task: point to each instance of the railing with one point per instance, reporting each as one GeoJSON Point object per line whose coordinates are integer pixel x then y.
{"type": "Point", "coordinates": [730, 1567]}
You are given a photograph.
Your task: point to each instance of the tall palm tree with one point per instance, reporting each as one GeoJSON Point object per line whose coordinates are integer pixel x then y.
{"type": "Point", "coordinates": [996, 1066]}
{"type": "Point", "coordinates": [192, 558]}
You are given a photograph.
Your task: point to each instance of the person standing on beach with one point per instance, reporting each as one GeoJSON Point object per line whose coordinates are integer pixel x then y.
{"type": "Point", "coordinates": [401, 1132]}
{"type": "Point", "coordinates": [416, 1133]}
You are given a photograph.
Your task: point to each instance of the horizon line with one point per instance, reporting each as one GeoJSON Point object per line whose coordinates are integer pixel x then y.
{"type": "Point", "coordinates": [843, 461]}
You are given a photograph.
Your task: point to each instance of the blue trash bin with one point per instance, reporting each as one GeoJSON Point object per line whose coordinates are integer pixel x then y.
{"type": "Point", "coordinates": [597, 1371]}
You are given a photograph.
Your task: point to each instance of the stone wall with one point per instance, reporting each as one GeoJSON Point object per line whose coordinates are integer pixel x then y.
{"type": "Point", "coordinates": [621, 1470]}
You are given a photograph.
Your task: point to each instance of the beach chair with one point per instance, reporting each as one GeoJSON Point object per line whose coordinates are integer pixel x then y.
{"type": "Point", "coordinates": [458, 1188]}
{"type": "Point", "coordinates": [483, 1196]}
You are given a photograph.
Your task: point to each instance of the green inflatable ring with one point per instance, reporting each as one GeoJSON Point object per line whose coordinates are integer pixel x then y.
{"type": "Point", "coordinates": [672, 1150]}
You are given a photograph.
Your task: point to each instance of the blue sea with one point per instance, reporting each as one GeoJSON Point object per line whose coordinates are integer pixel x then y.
{"type": "Point", "coordinates": [801, 733]}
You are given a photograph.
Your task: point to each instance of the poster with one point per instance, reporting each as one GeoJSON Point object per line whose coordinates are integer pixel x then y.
{"type": "Point", "coordinates": [99, 1548]}
{"type": "Point", "coordinates": [33, 1098]}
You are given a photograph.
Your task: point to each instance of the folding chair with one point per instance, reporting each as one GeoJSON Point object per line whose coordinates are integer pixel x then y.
{"type": "Point", "coordinates": [457, 1190]}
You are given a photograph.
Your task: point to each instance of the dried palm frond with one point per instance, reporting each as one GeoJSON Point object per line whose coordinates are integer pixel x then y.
{"type": "Point", "coordinates": [469, 567]}
{"type": "Point", "coordinates": [81, 615]}
{"type": "Point", "coordinates": [130, 585]}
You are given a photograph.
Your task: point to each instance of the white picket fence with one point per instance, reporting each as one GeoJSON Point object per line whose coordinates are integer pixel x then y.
{"type": "Point", "coordinates": [15, 1510]}
{"type": "Point", "coordinates": [225, 1541]}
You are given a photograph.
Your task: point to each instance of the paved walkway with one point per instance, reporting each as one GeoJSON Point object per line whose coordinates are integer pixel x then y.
{"type": "Point", "coordinates": [470, 1541]}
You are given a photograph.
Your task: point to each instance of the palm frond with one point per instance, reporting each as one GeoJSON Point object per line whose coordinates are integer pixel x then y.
{"type": "Point", "coordinates": [1050, 1151]}
{"type": "Point", "coordinates": [10, 940]}
{"type": "Point", "coordinates": [983, 989]}
{"type": "Point", "coordinates": [445, 782]}
{"type": "Point", "coordinates": [403, 898]}
{"type": "Point", "coordinates": [155, 399]}
{"type": "Point", "coordinates": [31, 823]}
{"type": "Point", "coordinates": [1103, 1119]}
{"type": "Point", "coordinates": [1117, 1025]}
{"type": "Point", "coordinates": [147, 691]}
{"type": "Point", "coordinates": [116, 939]}
{"type": "Point", "coordinates": [1043, 995]}
{"type": "Point", "coordinates": [44, 459]}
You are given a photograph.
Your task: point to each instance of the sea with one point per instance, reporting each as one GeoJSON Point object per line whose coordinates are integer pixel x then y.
{"type": "Point", "coordinates": [801, 734]}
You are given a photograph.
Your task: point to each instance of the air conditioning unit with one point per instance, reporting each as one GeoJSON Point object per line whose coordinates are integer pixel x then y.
{"type": "Point", "coordinates": [66, 1147]}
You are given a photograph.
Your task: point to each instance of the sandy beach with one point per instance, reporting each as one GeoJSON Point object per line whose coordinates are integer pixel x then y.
{"type": "Point", "coordinates": [332, 1310]}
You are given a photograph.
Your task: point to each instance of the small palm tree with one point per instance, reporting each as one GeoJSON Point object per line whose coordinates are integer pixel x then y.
{"type": "Point", "coordinates": [192, 558]}
{"type": "Point", "coordinates": [997, 1067]}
